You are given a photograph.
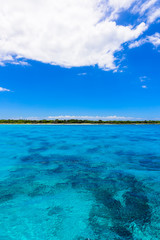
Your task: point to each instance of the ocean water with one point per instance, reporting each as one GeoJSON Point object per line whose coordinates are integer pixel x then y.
{"type": "Point", "coordinates": [79, 182]}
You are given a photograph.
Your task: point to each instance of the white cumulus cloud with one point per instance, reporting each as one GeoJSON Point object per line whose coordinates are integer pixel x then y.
{"type": "Point", "coordinates": [154, 14]}
{"type": "Point", "coordinates": [148, 9]}
{"type": "Point", "coordinates": [114, 117]}
{"type": "Point", "coordinates": [154, 39]}
{"type": "Point", "coordinates": [147, 5]}
{"type": "Point", "coordinates": [143, 78]}
{"type": "Point", "coordinates": [4, 89]}
{"type": "Point", "coordinates": [66, 33]}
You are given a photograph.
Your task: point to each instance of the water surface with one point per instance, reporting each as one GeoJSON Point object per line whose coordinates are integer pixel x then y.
{"type": "Point", "coordinates": [80, 182]}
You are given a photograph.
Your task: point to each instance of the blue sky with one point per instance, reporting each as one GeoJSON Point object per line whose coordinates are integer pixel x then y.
{"type": "Point", "coordinates": [95, 61]}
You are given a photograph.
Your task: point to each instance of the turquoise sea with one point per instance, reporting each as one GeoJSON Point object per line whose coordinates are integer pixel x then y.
{"type": "Point", "coordinates": [89, 182]}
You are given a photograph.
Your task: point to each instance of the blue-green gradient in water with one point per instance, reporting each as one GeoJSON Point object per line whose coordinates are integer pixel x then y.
{"type": "Point", "coordinates": [80, 182]}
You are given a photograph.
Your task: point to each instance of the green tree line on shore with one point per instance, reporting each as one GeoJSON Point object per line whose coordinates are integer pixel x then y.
{"type": "Point", "coordinates": [74, 121]}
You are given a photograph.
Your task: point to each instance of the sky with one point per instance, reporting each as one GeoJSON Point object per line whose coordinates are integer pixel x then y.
{"type": "Point", "coordinates": [86, 59]}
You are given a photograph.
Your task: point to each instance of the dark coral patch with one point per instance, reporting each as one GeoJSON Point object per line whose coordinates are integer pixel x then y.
{"type": "Point", "coordinates": [38, 190]}
{"type": "Point", "coordinates": [6, 197]}
{"type": "Point", "coordinates": [55, 210]}
{"type": "Point", "coordinates": [150, 163]}
{"type": "Point", "coordinates": [64, 147]}
{"type": "Point", "coordinates": [137, 208]}
{"type": "Point", "coordinates": [58, 169]}
{"type": "Point", "coordinates": [39, 149]}
{"type": "Point", "coordinates": [36, 158]}
{"type": "Point", "coordinates": [93, 150]}
{"type": "Point", "coordinates": [123, 232]}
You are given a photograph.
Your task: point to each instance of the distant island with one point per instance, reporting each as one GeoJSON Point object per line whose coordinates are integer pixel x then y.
{"type": "Point", "coordinates": [74, 121]}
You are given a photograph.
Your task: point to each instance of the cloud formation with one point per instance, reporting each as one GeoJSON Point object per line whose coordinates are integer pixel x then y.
{"type": "Point", "coordinates": [148, 10]}
{"type": "Point", "coordinates": [91, 117]}
{"type": "Point", "coordinates": [143, 78]}
{"type": "Point", "coordinates": [4, 89]}
{"type": "Point", "coordinates": [153, 39]}
{"type": "Point", "coordinates": [69, 33]}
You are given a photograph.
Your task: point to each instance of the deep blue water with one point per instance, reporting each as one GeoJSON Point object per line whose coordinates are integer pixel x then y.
{"type": "Point", "coordinates": [80, 182]}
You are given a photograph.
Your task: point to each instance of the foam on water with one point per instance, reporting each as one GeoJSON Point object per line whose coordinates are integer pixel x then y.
{"type": "Point", "coordinates": [80, 182]}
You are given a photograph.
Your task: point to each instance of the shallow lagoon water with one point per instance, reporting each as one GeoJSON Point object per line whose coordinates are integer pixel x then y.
{"type": "Point", "coordinates": [80, 182]}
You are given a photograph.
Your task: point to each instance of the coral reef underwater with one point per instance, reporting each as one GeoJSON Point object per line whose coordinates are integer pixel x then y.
{"type": "Point", "coordinates": [80, 182]}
